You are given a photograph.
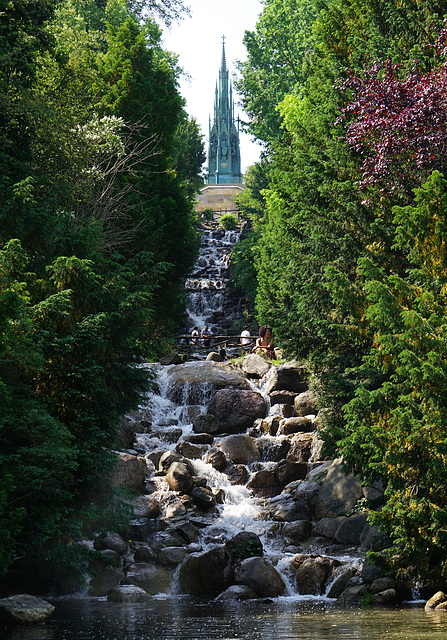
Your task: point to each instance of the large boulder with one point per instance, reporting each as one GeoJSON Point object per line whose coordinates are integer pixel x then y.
{"type": "Point", "coordinates": [213, 356]}
{"type": "Point", "coordinates": [291, 376]}
{"type": "Point", "coordinates": [301, 447]}
{"type": "Point", "coordinates": [171, 358]}
{"type": "Point", "coordinates": [128, 593]}
{"type": "Point", "coordinates": [171, 556]}
{"type": "Point", "coordinates": [296, 425]}
{"type": "Point", "coordinates": [340, 580]}
{"type": "Point", "coordinates": [328, 527]}
{"type": "Point", "coordinates": [371, 572]}
{"type": "Point", "coordinates": [269, 425]}
{"type": "Point", "coordinates": [273, 450]}
{"type": "Point", "coordinates": [125, 434]}
{"type": "Point", "coordinates": [129, 472]}
{"type": "Point", "coordinates": [168, 457]}
{"type": "Point", "coordinates": [105, 580]}
{"type": "Point", "coordinates": [189, 450]}
{"type": "Point", "coordinates": [240, 449]}
{"type": "Point", "coordinates": [258, 574]}
{"type": "Point", "coordinates": [179, 477]}
{"type": "Point", "coordinates": [435, 600]}
{"type": "Point", "coordinates": [306, 490]}
{"type": "Point", "coordinates": [238, 592]}
{"type": "Point", "coordinates": [282, 397]}
{"type": "Point", "coordinates": [285, 509]}
{"type": "Point", "coordinates": [372, 539]}
{"type": "Point", "coordinates": [24, 609]}
{"type": "Point", "coordinates": [205, 423]}
{"type": "Point", "coordinates": [203, 498]}
{"type": "Point", "coordinates": [312, 574]}
{"type": "Point", "coordinates": [381, 584]}
{"type": "Point", "coordinates": [255, 366]}
{"type": "Point", "coordinates": [296, 532]}
{"type": "Point", "coordinates": [289, 471]}
{"type": "Point", "coordinates": [143, 553]}
{"type": "Point", "coordinates": [244, 545]}
{"type": "Point", "coordinates": [305, 404]}
{"type": "Point", "coordinates": [216, 458]}
{"type": "Point", "coordinates": [196, 380]}
{"type": "Point", "coordinates": [111, 541]}
{"type": "Point", "coordinates": [162, 539]}
{"type": "Point", "coordinates": [350, 530]}
{"type": "Point", "coordinates": [152, 578]}
{"type": "Point", "coordinates": [237, 473]}
{"type": "Point", "coordinates": [188, 532]}
{"type": "Point", "coordinates": [352, 596]}
{"type": "Point", "coordinates": [387, 597]}
{"type": "Point", "coordinates": [209, 573]}
{"type": "Point", "coordinates": [338, 492]}
{"type": "Point", "coordinates": [146, 506]}
{"type": "Point", "coordinates": [236, 410]}
{"type": "Point", "coordinates": [264, 484]}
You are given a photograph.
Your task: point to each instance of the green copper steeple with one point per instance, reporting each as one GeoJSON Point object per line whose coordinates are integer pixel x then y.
{"type": "Point", "coordinates": [224, 156]}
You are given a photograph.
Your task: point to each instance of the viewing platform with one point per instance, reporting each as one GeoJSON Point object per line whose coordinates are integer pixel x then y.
{"type": "Point", "coordinates": [219, 198]}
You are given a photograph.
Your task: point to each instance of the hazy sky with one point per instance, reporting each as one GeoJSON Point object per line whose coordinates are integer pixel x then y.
{"type": "Point", "coordinates": [198, 42]}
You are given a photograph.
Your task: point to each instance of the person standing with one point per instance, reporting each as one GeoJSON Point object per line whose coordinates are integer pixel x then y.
{"type": "Point", "coordinates": [245, 337]}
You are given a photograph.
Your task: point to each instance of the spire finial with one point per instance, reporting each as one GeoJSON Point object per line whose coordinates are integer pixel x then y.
{"type": "Point", "coordinates": [224, 61]}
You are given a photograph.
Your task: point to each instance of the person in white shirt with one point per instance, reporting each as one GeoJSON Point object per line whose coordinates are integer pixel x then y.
{"type": "Point", "coordinates": [245, 337]}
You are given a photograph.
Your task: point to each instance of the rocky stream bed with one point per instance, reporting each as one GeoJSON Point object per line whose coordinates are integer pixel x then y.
{"type": "Point", "coordinates": [235, 499]}
{"type": "Point", "coordinates": [232, 499]}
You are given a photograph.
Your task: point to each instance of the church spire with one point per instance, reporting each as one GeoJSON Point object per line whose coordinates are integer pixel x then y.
{"type": "Point", "coordinates": [224, 160]}
{"type": "Point", "coordinates": [223, 65]}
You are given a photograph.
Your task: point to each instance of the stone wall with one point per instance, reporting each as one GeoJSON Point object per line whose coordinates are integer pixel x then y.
{"type": "Point", "coordinates": [219, 198]}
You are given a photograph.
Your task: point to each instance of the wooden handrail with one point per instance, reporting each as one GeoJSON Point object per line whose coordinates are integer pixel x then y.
{"type": "Point", "coordinates": [216, 336]}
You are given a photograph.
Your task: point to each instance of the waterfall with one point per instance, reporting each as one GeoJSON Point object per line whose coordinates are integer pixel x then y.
{"type": "Point", "coordinates": [209, 280]}
{"type": "Point", "coordinates": [238, 509]}
{"type": "Point", "coordinates": [172, 419]}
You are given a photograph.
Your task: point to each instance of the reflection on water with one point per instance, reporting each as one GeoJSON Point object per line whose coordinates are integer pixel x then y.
{"type": "Point", "coordinates": [180, 619]}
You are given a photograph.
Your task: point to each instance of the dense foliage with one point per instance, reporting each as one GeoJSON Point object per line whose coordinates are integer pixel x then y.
{"type": "Point", "coordinates": [96, 238]}
{"type": "Point", "coordinates": [348, 245]}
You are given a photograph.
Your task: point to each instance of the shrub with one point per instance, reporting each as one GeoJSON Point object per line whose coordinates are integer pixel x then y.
{"type": "Point", "coordinates": [228, 221]}
{"type": "Point", "coordinates": [208, 214]}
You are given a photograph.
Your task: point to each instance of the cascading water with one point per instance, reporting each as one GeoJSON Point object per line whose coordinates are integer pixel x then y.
{"type": "Point", "coordinates": [209, 280]}
{"type": "Point", "coordinates": [173, 414]}
{"type": "Point", "coordinates": [238, 509]}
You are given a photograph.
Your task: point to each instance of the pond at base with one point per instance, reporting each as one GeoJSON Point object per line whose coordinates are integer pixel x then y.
{"type": "Point", "coordinates": [180, 619]}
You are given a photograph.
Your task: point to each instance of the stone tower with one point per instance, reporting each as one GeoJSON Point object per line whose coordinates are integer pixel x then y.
{"type": "Point", "coordinates": [224, 156]}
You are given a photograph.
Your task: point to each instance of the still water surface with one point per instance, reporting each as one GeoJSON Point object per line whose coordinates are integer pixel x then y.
{"type": "Point", "coordinates": [180, 619]}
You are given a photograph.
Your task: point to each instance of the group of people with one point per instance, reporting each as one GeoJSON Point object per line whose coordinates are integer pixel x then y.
{"type": "Point", "coordinates": [264, 344]}
{"type": "Point", "coordinates": [205, 335]}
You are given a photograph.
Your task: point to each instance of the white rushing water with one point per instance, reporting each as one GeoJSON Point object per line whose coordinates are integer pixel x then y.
{"type": "Point", "coordinates": [206, 286]}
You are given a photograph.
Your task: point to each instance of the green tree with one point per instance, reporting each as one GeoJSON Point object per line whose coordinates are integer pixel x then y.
{"type": "Point", "coordinates": [251, 206]}
{"type": "Point", "coordinates": [276, 53]}
{"type": "Point", "coordinates": [190, 154]}
{"type": "Point", "coordinates": [95, 242]}
{"type": "Point", "coordinates": [372, 328]}
{"type": "Point", "coordinates": [395, 430]}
